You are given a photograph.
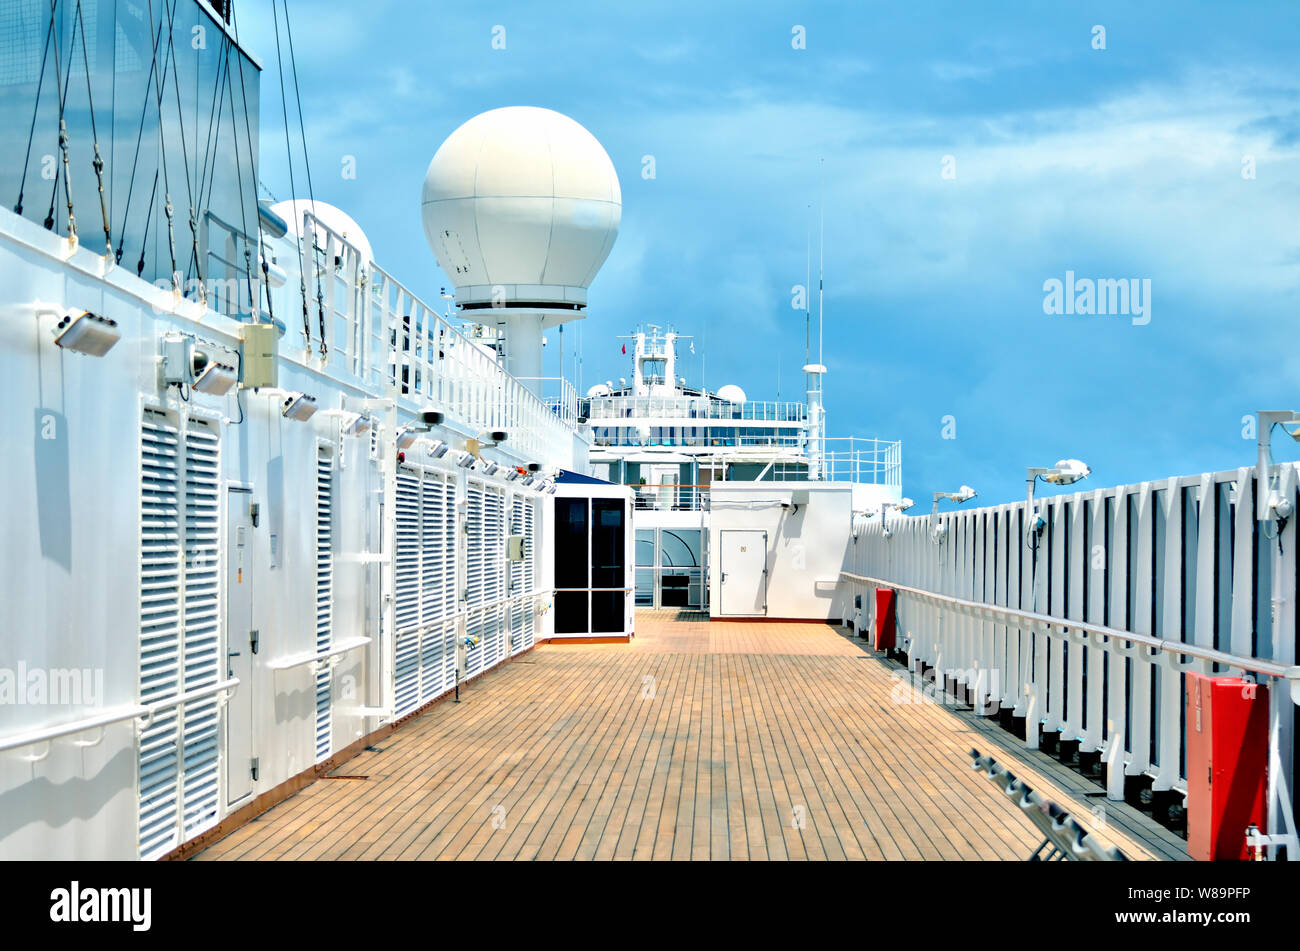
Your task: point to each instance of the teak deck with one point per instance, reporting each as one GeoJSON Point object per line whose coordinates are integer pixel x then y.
{"type": "Point", "coordinates": [696, 741]}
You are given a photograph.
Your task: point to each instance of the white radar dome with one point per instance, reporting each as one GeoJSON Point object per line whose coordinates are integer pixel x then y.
{"type": "Point", "coordinates": [599, 389]}
{"type": "Point", "coordinates": [731, 393]}
{"type": "Point", "coordinates": [521, 205]}
{"type": "Point", "coordinates": [338, 221]}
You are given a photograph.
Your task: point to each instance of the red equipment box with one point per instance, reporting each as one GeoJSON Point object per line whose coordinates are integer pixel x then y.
{"type": "Point", "coordinates": [1227, 765]}
{"type": "Point", "coordinates": [885, 619]}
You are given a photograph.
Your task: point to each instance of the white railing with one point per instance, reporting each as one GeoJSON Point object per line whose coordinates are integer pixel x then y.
{"type": "Point", "coordinates": [1087, 628]}
{"type": "Point", "coordinates": [378, 331]}
{"type": "Point", "coordinates": [144, 711]}
{"type": "Point", "coordinates": [557, 394]}
{"type": "Point", "coordinates": [691, 408]}
{"type": "Point", "coordinates": [856, 459]}
{"type": "Point", "coordinates": [670, 497]}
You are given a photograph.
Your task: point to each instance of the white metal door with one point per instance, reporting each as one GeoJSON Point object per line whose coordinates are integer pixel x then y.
{"type": "Point", "coordinates": [743, 568]}
{"type": "Point", "coordinates": [239, 661]}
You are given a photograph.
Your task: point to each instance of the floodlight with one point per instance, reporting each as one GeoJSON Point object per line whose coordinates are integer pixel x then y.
{"type": "Point", "coordinates": [215, 378]}
{"type": "Point", "coordinates": [84, 332]}
{"type": "Point", "coordinates": [1067, 472]}
{"type": "Point", "coordinates": [298, 406]}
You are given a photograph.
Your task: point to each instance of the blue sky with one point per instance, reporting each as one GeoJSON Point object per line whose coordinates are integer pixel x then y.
{"type": "Point", "coordinates": [1118, 163]}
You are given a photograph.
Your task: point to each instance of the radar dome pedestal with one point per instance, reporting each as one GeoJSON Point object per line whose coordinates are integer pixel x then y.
{"type": "Point", "coordinates": [521, 207]}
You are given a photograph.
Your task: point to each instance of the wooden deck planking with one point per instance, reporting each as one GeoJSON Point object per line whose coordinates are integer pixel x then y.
{"type": "Point", "coordinates": [750, 725]}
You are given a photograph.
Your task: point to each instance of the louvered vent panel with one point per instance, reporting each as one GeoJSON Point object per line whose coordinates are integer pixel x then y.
{"type": "Point", "coordinates": [161, 530]}
{"type": "Point", "coordinates": [432, 589]}
{"type": "Point", "coordinates": [494, 588]}
{"type": "Point", "coordinates": [202, 622]}
{"type": "Point", "coordinates": [324, 595]}
{"type": "Point", "coordinates": [406, 671]}
{"type": "Point", "coordinates": [521, 578]}
{"type": "Point", "coordinates": [447, 582]}
{"type": "Point", "coordinates": [475, 577]}
{"type": "Point", "coordinates": [530, 571]}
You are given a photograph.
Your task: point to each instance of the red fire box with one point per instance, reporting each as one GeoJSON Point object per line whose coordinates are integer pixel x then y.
{"type": "Point", "coordinates": [1227, 764]}
{"type": "Point", "coordinates": [885, 619]}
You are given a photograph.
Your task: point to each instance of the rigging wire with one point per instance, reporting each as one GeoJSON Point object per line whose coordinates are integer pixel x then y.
{"type": "Point", "coordinates": [252, 169]}
{"type": "Point", "coordinates": [284, 110]}
{"type": "Point", "coordinates": [98, 162]}
{"type": "Point", "coordinates": [302, 129]}
{"type": "Point", "coordinates": [139, 136]}
{"type": "Point", "coordinates": [162, 148]}
{"type": "Point", "coordinates": [36, 108]}
{"type": "Point", "coordinates": [180, 118]}
{"type": "Point", "coordinates": [139, 267]}
{"type": "Point", "coordinates": [206, 182]}
{"type": "Point", "coordinates": [63, 133]}
{"type": "Point", "coordinates": [243, 218]}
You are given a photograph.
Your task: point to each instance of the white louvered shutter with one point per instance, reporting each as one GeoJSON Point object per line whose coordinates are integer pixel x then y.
{"type": "Point", "coordinates": [161, 531]}
{"type": "Point", "coordinates": [324, 596]}
{"type": "Point", "coordinates": [202, 733]}
{"type": "Point", "coordinates": [494, 581]}
{"type": "Point", "coordinates": [406, 577]}
{"type": "Point", "coordinates": [475, 580]}
{"type": "Point", "coordinates": [180, 628]}
{"type": "Point", "coordinates": [432, 570]}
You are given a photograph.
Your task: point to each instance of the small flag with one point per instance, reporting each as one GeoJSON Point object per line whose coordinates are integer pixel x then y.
{"type": "Point", "coordinates": [692, 347]}
{"type": "Point", "coordinates": [624, 348]}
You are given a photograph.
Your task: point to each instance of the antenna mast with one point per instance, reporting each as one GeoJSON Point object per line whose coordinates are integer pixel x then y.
{"type": "Point", "coordinates": [807, 302]}
{"type": "Point", "coordinates": [821, 259]}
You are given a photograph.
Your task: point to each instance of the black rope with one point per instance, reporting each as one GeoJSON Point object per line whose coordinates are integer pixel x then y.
{"type": "Point", "coordinates": [252, 167]}
{"type": "Point", "coordinates": [63, 134]}
{"type": "Point", "coordinates": [36, 108]}
{"type": "Point", "coordinates": [139, 137]}
{"type": "Point", "coordinates": [243, 218]}
{"type": "Point", "coordinates": [208, 174]}
{"type": "Point", "coordinates": [162, 147]}
{"type": "Point", "coordinates": [139, 268]}
{"type": "Point", "coordinates": [180, 118]}
{"type": "Point", "coordinates": [284, 110]}
{"type": "Point", "coordinates": [302, 128]}
{"type": "Point", "coordinates": [98, 162]}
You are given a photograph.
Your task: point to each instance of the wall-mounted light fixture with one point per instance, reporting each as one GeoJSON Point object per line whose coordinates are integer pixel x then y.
{"type": "Point", "coordinates": [84, 332]}
{"type": "Point", "coordinates": [1065, 472]}
{"type": "Point", "coordinates": [964, 494]}
{"type": "Point", "coordinates": [298, 406]}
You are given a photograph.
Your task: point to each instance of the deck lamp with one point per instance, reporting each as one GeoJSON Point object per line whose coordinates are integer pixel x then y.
{"type": "Point", "coordinates": [964, 494]}
{"type": "Point", "coordinates": [1272, 505]}
{"type": "Point", "coordinates": [1065, 472]}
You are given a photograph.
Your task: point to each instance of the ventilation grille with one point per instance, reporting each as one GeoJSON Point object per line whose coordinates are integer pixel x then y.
{"type": "Point", "coordinates": [324, 595]}
{"type": "Point", "coordinates": [424, 582]}
{"type": "Point", "coordinates": [476, 578]}
{"type": "Point", "coordinates": [180, 628]}
{"type": "Point", "coordinates": [522, 632]}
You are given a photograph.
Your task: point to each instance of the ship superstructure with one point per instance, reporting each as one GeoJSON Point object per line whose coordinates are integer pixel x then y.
{"type": "Point", "coordinates": [674, 444]}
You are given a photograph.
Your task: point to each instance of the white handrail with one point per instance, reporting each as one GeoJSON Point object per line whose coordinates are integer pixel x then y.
{"type": "Point", "coordinates": [116, 715]}
{"type": "Point", "coordinates": [290, 661]}
{"type": "Point", "coordinates": [1045, 623]}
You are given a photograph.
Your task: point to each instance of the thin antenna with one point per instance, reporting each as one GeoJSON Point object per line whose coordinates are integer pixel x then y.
{"type": "Point", "coordinates": [821, 259]}
{"type": "Point", "coordinates": [807, 300]}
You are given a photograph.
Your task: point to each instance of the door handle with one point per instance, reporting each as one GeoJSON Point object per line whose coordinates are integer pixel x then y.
{"type": "Point", "coordinates": [724, 577]}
